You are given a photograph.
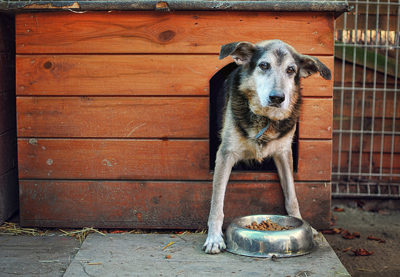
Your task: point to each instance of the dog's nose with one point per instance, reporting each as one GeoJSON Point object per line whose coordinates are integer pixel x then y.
{"type": "Point", "coordinates": [276, 97]}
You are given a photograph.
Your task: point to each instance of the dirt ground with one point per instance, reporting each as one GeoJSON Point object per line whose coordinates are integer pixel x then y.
{"type": "Point", "coordinates": [368, 220]}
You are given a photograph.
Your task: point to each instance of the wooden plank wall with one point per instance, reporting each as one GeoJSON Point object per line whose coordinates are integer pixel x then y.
{"type": "Point", "coordinates": [8, 140]}
{"type": "Point", "coordinates": [113, 114]}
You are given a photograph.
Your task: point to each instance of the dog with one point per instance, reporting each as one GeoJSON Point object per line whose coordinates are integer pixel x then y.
{"type": "Point", "coordinates": [261, 110]}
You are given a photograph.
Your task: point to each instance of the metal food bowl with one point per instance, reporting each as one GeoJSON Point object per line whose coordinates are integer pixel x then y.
{"type": "Point", "coordinates": [264, 244]}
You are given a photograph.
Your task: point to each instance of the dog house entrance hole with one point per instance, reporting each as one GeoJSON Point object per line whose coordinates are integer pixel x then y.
{"type": "Point", "coordinates": [217, 103]}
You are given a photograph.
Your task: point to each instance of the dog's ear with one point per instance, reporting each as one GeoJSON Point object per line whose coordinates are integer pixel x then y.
{"type": "Point", "coordinates": [241, 51]}
{"type": "Point", "coordinates": [311, 65]}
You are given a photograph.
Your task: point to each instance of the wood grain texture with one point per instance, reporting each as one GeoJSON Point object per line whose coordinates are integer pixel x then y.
{"type": "Point", "coordinates": [159, 204]}
{"type": "Point", "coordinates": [132, 75]}
{"type": "Point", "coordinates": [7, 111]}
{"type": "Point", "coordinates": [113, 159]}
{"type": "Point", "coordinates": [8, 151]}
{"type": "Point", "coordinates": [113, 117]}
{"type": "Point", "coordinates": [116, 74]}
{"type": "Point", "coordinates": [316, 118]}
{"type": "Point", "coordinates": [176, 32]}
{"type": "Point", "coordinates": [134, 159]}
{"type": "Point", "coordinates": [154, 117]}
{"type": "Point", "coordinates": [315, 158]}
{"type": "Point", "coordinates": [122, 96]}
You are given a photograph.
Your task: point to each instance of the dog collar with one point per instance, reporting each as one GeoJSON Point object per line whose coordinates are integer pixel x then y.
{"type": "Point", "coordinates": [262, 131]}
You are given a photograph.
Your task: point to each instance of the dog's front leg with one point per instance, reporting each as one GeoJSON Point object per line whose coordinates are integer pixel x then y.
{"type": "Point", "coordinates": [223, 166]}
{"type": "Point", "coordinates": [284, 164]}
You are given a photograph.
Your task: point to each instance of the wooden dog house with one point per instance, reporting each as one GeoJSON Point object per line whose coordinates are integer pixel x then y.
{"type": "Point", "coordinates": [113, 112]}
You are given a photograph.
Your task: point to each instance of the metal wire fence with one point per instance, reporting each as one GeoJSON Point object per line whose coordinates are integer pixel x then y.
{"type": "Point", "coordinates": [366, 132]}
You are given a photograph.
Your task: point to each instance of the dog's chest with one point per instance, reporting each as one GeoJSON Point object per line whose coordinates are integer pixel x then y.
{"type": "Point", "coordinates": [267, 145]}
{"type": "Point", "coordinates": [261, 148]}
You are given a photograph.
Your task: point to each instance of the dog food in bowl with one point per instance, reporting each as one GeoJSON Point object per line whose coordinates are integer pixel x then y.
{"type": "Point", "coordinates": [298, 240]}
{"type": "Point", "coordinates": [267, 225]}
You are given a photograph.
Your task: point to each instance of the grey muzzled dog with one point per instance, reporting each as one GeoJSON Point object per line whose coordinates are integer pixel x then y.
{"type": "Point", "coordinates": [261, 110]}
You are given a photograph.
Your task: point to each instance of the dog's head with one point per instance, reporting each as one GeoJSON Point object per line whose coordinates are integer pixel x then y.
{"type": "Point", "coordinates": [270, 74]}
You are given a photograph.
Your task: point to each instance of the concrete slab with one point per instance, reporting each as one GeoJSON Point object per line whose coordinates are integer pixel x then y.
{"type": "Point", "coordinates": [36, 256]}
{"type": "Point", "coordinates": [144, 255]}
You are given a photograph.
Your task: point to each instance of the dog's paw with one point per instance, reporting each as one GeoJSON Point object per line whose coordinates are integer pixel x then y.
{"type": "Point", "coordinates": [214, 244]}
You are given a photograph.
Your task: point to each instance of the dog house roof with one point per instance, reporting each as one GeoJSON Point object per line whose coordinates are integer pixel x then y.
{"type": "Point", "coordinates": [336, 6]}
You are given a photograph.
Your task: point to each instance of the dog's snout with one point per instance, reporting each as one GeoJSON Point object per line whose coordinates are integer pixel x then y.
{"type": "Point", "coordinates": [276, 97]}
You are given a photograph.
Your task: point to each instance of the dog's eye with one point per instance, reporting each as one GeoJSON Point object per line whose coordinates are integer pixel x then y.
{"type": "Point", "coordinates": [290, 69]}
{"type": "Point", "coordinates": [265, 65]}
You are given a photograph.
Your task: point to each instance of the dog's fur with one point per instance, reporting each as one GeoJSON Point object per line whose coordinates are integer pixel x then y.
{"type": "Point", "coordinates": [263, 91]}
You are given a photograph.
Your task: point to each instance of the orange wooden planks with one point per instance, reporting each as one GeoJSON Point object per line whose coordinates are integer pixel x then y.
{"type": "Point", "coordinates": [176, 32]}
{"type": "Point", "coordinates": [315, 160]}
{"type": "Point", "coordinates": [152, 204]}
{"type": "Point", "coordinates": [113, 117]}
{"type": "Point", "coordinates": [113, 159]}
{"type": "Point", "coordinates": [141, 117]}
{"type": "Point", "coordinates": [132, 75]}
{"type": "Point", "coordinates": [316, 118]}
{"type": "Point", "coordinates": [146, 159]}
{"type": "Point", "coordinates": [116, 74]}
